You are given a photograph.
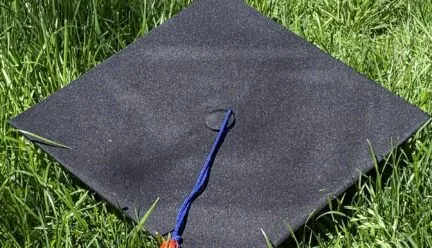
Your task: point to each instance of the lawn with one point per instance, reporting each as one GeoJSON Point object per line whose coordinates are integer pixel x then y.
{"type": "Point", "coordinates": [46, 44]}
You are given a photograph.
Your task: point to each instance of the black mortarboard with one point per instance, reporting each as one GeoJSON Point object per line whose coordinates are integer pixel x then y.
{"type": "Point", "coordinates": [138, 125]}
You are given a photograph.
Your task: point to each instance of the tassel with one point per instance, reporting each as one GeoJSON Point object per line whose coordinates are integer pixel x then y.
{"type": "Point", "coordinates": [199, 187]}
{"type": "Point", "coordinates": [170, 244]}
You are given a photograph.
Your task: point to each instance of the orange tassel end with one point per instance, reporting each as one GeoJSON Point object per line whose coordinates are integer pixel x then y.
{"type": "Point", "coordinates": [170, 244]}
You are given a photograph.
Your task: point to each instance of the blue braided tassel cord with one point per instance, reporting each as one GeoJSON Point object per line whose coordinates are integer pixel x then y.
{"type": "Point", "coordinates": [202, 180]}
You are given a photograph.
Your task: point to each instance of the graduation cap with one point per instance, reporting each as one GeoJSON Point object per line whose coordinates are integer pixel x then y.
{"type": "Point", "coordinates": [140, 125]}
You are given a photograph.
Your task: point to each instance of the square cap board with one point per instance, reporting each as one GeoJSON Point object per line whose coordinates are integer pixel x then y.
{"type": "Point", "coordinates": [136, 125]}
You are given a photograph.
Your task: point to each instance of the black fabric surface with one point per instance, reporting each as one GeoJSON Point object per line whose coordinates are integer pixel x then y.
{"type": "Point", "coordinates": [137, 125]}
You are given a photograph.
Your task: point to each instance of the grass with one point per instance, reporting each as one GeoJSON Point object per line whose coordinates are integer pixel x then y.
{"type": "Point", "coordinates": [46, 44]}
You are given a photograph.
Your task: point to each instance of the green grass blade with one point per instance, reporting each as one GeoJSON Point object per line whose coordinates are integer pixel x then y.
{"type": "Point", "coordinates": [43, 140]}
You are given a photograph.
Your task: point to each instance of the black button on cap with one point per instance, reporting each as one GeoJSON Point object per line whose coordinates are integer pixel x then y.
{"type": "Point", "coordinates": [214, 119]}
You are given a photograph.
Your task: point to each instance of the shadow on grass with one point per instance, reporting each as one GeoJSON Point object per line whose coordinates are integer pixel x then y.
{"type": "Point", "coordinates": [322, 223]}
